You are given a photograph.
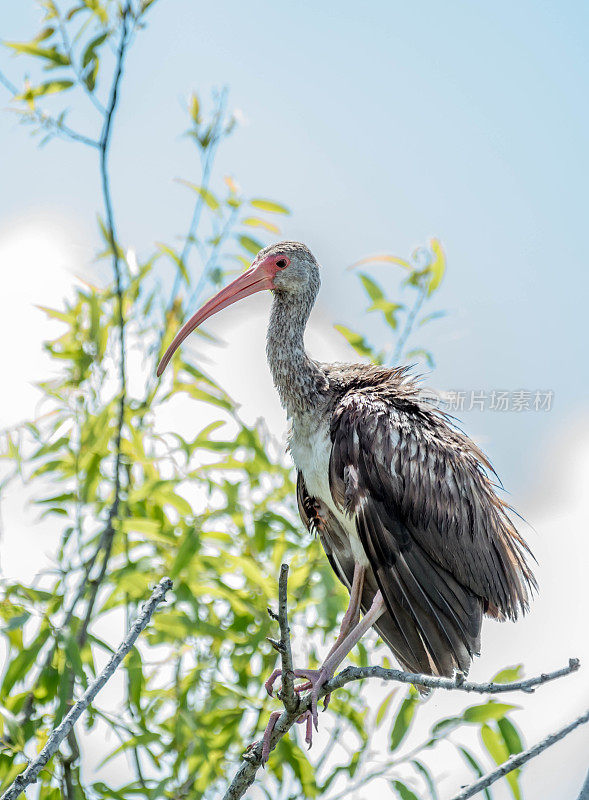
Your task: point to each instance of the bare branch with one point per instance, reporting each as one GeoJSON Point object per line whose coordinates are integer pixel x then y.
{"type": "Point", "coordinates": [287, 692]}
{"type": "Point", "coordinates": [433, 682]}
{"type": "Point", "coordinates": [585, 789]}
{"type": "Point", "coordinates": [517, 760]}
{"type": "Point", "coordinates": [253, 759]}
{"type": "Point", "coordinates": [56, 737]}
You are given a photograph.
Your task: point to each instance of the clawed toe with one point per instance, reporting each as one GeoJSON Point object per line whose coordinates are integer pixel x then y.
{"type": "Point", "coordinates": [268, 735]}
{"type": "Point", "coordinates": [307, 718]}
{"type": "Point", "coordinates": [269, 685]}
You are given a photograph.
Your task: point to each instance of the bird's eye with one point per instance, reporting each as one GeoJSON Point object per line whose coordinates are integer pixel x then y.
{"type": "Point", "coordinates": [282, 263]}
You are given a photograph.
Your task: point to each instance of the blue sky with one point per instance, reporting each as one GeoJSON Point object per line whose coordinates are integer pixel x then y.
{"type": "Point", "coordinates": [380, 124]}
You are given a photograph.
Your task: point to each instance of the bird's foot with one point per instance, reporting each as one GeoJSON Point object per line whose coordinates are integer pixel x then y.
{"type": "Point", "coordinates": [314, 680]}
{"type": "Point", "coordinates": [307, 718]}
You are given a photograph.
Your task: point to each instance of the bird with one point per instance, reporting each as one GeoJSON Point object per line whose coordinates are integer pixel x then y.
{"type": "Point", "coordinates": [404, 503]}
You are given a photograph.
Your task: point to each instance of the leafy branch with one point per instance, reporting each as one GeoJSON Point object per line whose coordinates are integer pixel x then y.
{"type": "Point", "coordinates": [425, 272]}
{"type": "Point", "coordinates": [59, 733]}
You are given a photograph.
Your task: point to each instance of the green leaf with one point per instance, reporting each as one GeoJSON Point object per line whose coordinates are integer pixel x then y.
{"type": "Point", "coordinates": [426, 774]}
{"type": "Point", "coordinates": [12, 726]}
{"type": "Point", "coordinates": [185, 552]}
{"type": "Point", "coordinates": [19, 667]}
{"type": "Point", "coordinates": [431, 317]}
{"type": "Point", "coordinates": [89, 53]}
{"type": "Point", "coordinates": [195, 108]}
{"type": "Point", "coordinates": [138, 525]}
{"type": "Point", "coordinates": [250, 244]}
{"type": "Point", "coordinates": [486, 711]}
{"type": "Point", "coordinates": [510, 735]}
{"type": "Point", "coordinates": [205, 193]}
{"type": "Point", "coordinates": [475, 766]}
{"type": "Point", "coordinates": [357, 341]}
{"type": "Point", "coordinates": [49, 87]}
{"type": "Point", "coordinates": [498, 751]}
{"type": "Point", "coordinates": [135, 677]}
{"type": "Point", "coordinates": [51, 54]}
{"type": "Point", "coordinates": [383, 258]}
{"type": "Point", "coordinates": [163, 248]}
{"type": "Point", "coordinates": [269, 205]}
{"type": "Point", "coordinates": [403, 791]}
{"type": "Point", "coordinates": [403, 720]}
{"type": "Point", "coordinates": [74, 659]}
{"type": "Point", "coordinates": [372, 288]}
{"type": "Point", "coordinates": [384, 707]}
{"type": "Point", "coordinates": [509, 674]}
{"type": "Point", "coordinates": [438, 266]}
{"type": "Point", "coordinates": [255, 222]}
{"type": "Point", "coordinates": [420, 352]}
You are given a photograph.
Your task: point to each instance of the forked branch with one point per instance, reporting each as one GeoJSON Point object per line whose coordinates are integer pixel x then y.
{"type": "Point", "coordinates": [253, 757]}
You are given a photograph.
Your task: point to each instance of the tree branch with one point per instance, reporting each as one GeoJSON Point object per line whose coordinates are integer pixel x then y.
{"type": "Point", "coordinates": [105, 541]}
{"type": "Point", "coordinates": [246, 774]}
{"type": "Point", "coordinates": [517, 760]}
{"type": "Point", "coordinates": [585, 789]}
{"type": "Point", "coordinates": [75, 67]}
{"type": "Point", "coordinates": [287, 693]}
{"type": "Point", "coordinates": [433, 682]}
{"type": "Point", "coordinates": [207, 165]}
{"type": "Point", "coordinates": [47, 121]}
{"type": "Point", "coordinates": [56, 737]}
{"type": "Point", "coordinates": [408, 327]}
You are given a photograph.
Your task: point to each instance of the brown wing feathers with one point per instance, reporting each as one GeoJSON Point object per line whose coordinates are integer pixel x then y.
{"type": "Point", "coordinates": [441, 545]}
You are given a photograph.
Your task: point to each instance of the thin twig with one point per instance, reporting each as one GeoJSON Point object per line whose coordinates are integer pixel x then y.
{"type": "Point", "coordinates": [47, 121]}
{"type": "Point", "coordinates": [517, 760]}
{"type": "Point", "coordinates": [287, 692]}
{"type": "Point", "coordinates": [56, 737]}
{"type": "Point", "coordinates": [585, 789]}
{"type": "Point", "coordinates": [527, 685]}
{"type": "Point", "coordinates": [410, 321]}
{"type": "Point", "coordinates": [212, 257]}
{"type": "Point", "coordinates": [199, 204]}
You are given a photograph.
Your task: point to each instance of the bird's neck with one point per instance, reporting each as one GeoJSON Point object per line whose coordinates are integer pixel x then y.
{"type": "Point", "coordinates": [300, 382]}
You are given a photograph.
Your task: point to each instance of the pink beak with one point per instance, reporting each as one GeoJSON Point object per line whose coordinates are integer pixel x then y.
{"type": "Point", "coordinates": [256, 279]}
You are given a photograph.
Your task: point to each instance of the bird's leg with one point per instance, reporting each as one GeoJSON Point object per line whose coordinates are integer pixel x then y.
{"type": "Point", "coordinates": [352, 615]}
{"type": "Point", "coordinates": [316, 678]}
{"type": "Point", "coordinates": [349, 620]}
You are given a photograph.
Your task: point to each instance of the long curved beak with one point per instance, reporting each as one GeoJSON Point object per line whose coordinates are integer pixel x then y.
{"type": "Point", "coordinates": [256, 279]}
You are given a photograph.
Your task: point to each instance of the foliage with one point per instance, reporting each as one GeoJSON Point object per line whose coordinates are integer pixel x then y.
{"type": "Point", "coordinates": [424, 273]}
{"type": "Point", "coordinates": [214, 510]}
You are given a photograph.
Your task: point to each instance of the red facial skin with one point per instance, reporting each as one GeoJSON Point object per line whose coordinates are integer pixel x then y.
{"type": "Point", "coordinates": [260, 276]}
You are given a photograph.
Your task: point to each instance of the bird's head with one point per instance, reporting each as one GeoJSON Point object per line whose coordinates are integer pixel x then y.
{"type": "Point", "coordinates": [287, 268]}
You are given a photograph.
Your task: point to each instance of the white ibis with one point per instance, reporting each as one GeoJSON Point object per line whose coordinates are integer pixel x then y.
{"type": "Point", "coordinates": [401, 500]}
